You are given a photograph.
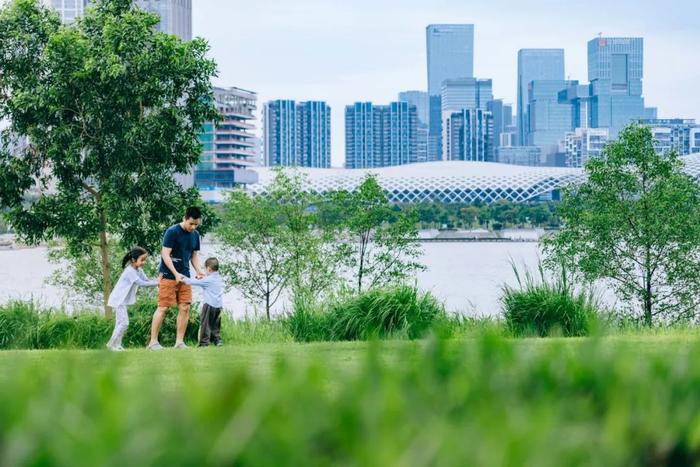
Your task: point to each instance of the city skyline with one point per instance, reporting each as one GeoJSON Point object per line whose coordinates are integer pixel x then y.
{"type": "Point", "coordinates": [341, 53]}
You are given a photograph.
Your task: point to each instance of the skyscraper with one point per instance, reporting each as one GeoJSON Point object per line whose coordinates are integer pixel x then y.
{"type": "Point", "coordinates": [380, 135]}
{"type": "Point", "coordinates": [461, 94]}
{"type": "Point", "coordinates": [175, 15]}
{"type": "Point", "coordinates": [548, 118]}
{"type": "Point", "coordinates": [297, 134]}
{"type": "Point", "coordinates": [450, 52]}
{"type": "Point", "coordinates": [468, 136]}
{"type": "Point", "coordinates": [228, 147]}
{"type": "Point", "coordinates": [535, 64]}
{"type": "Point", "coordinates": [68, 10]}
{"type": "Point", "coordinates": [422, 102]}
{"type": "Point", "coordinates": [615, 72]}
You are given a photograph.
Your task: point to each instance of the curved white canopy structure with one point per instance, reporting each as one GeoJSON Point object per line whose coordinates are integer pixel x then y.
{"type": "Point", "coordinates": [449, 181]}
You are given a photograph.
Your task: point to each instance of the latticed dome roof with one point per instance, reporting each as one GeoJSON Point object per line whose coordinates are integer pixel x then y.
{"type": "Point", "coordinates": [448, 181]}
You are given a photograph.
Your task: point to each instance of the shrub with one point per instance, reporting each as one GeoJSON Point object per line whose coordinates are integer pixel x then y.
{"type": "Point", "coordinates": [23, 326]}
{"type": "Point", "coordinates": [547, 307]}
{"type": "Point", "coordinates": [308, 322]}
{"type": "Point", "coordinates": [18, 320]}
{"type": "Point", "coordinates": [384, 312]}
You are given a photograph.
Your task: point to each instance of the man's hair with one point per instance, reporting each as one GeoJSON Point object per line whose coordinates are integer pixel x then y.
{"type": "Point", "coordinates": [193, 212]}
{"type": "Point", "coordinates": [212, 263]}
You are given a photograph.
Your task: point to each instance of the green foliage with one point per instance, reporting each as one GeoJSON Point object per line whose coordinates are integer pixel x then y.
{"type": "Point", "coordinates": [485, 402]}
{"type": "Point", "coordinates": [23, 326]}
{"type": "Point", "coordinates": [378, 313]}
{"type": "Point", "coordinates": [502, 212]}
{"type": "Point", "coordinates": [308, 322]}
{"type": "Point", "coordinates": [382, 248]}
{"type": "Point", "coordinates": [635, 224]}
{"type": "Point", "coordinates": [276, 242]}
{"type": "Point", "coordinates": [80, 276]}
{"type": "Point", "coordinates": [544, 307]}
{"type": "Point", "coordinates": [111, 109]}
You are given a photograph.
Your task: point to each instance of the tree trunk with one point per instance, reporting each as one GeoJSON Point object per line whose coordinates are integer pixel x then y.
{"type": "Point", "coordinates": [647, 299]}
{"type": "Point", "coordinates": [106, 279]}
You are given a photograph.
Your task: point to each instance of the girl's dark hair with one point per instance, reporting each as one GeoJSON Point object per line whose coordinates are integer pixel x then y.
{"type": "Point", "coordinates": [135, 253]}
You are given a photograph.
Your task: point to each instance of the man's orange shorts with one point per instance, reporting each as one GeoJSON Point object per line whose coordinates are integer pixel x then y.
{"type": "Point", "coordinates": [171, 293]}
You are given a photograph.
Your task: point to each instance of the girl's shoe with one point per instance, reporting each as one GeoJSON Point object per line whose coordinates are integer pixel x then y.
{"type": "Point", "coordinates": [155, 346]}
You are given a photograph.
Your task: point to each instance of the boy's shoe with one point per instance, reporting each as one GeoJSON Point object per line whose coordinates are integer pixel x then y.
{"type": "Point", "coordinates": [155, 346]}
{"type": "Point", "coordinates": [180, 345]}
{"type": "Point", "coordinates": [219, 344]}
{"type": "Point", "coordinates": [202, 345]}
{"type": "Point", "coordinates": [115, 349]}
{"type": "Point", "coordinates": [120, 349]}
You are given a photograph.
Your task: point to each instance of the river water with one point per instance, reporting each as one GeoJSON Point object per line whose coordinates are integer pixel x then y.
{"type": "Point", "coordinates": [466, 276]}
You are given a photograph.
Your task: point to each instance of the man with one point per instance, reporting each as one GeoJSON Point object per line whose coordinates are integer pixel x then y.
{"type": "Point", "coordinates": [180, 247]}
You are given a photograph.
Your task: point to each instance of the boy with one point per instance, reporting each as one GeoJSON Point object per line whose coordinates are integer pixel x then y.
{"type": "Point", "coordinates": [210, 319]}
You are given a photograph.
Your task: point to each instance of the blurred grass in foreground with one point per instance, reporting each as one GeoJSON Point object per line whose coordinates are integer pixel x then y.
{"type": "Point", "coordinates": [483, 401]}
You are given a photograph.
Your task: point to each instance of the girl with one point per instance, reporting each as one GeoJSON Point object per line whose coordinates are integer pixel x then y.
{"type": "Point", "coordinates": [124, 293]}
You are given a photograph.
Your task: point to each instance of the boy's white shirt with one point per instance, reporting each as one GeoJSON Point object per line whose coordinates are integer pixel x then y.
{"type": "Point", "coordinates": [213, 287]}
{"type": "Point", "coordinates": [124, 292]}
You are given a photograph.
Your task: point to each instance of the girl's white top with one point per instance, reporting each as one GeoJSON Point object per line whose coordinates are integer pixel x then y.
{"type": "Point", "coordinates": [124, 292]}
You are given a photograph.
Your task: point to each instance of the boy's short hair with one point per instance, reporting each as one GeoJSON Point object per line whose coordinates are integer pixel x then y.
{"type": "Point", "coordinates": [212, 263]}
{"type": "Point", "coordinates": [193, 212]}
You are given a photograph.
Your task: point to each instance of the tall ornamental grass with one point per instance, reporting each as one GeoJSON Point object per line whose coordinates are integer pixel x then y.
{"type": "Point", "coordinates": [548, 306]}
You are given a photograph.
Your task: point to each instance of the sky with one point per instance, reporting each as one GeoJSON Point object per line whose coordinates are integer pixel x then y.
{"type": "Point", "coordinates": [370, 50]}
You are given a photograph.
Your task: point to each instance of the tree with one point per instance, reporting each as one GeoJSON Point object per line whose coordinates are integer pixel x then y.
{"type": "Point", "coordinates": [314, 253]}
{"type": "Point", "coordinates": [635, 224]}
{"type": "Point", "coordinates": [253, 245]}
{"type": "Point", "coordinates": [278, 242]}
{"type": "Point", "coordinates": [111, 109]}
{"type": "Point", "coordinates": [382, 245]}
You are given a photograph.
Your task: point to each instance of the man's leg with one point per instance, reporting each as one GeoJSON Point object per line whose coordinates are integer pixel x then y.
{"type": "Point", "coordinates": [166, 299]}
{"type": "Point", "coordinates": [183, 318]}
{"type": "Point", "coordinates": [158, 318]}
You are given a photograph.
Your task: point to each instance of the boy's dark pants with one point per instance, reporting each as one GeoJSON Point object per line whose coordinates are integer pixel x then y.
{"type": "Point", "coordinates": [209, 325]}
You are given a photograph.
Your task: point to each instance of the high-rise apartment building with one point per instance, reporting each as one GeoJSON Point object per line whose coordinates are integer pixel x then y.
{"type": "Point", "coordinates": [583, 144]}
{"type": "Point", "coordinates": [380, 135]}
{"type": "Point", "coordinates": [422, 102]}
{"type": "Point", "coordinates": [535, 64]}
{"type": "Point", "coordinates": [461, 94]}
{"type": "Point", "coordinates": [450, 53]}
{"type": "Point", "coordinates": [297, 133]}
{"type": "Point", "coordinates": [229, 147]}
{"type": "Point", "coordinates": [674, 134]}
{"type": "Point", "coordinates": [469, 136]}
{"type": "Point", "coordinates": [68, 10]}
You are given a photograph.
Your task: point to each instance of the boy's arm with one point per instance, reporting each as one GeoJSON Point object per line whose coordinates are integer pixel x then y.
{"type": "Point", "coordinates": [204, 282]}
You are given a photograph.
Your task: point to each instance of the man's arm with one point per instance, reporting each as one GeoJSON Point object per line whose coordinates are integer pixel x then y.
{"type": "Point", "coordinates": [168, 261]}
{"type": "Point", "coordinates": [195, 263]}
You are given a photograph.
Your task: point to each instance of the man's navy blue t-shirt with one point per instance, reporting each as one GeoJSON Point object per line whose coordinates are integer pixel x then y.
{"type": "Point", "coordinates": [183, 243]}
